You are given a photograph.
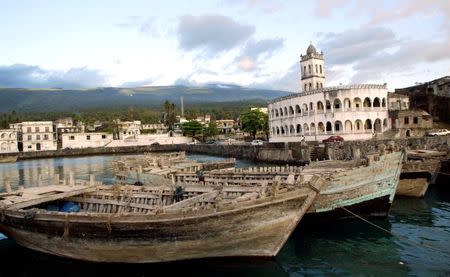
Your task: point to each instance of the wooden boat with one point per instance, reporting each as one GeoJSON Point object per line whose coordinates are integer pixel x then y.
{"type": "Point", "coordinates": [419, 169]}
{"type": "Point", "coordinates": [8, 158]}
{"type": "Point", "coordinates": [137, 224]}
{"type": "Point", "coordinates": [366, 189]}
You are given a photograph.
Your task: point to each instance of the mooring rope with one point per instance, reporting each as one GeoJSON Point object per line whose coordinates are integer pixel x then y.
{"type": "Point", "coordinates": [405, 239]}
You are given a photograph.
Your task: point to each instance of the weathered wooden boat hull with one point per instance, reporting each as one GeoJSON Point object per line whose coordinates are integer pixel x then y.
{"type": "Point", "coordinates": [260, 229]}
{"type": "Point", "coordinates": [415, 177]}
{"type": "Point", "coordinates": [412, 187]}
{"type": "Point", "coordinates": [8, 158]}
{"type": "Point", "coordinates": [360, 186]}
{"type": "Point", "coordinates": [374, 208]}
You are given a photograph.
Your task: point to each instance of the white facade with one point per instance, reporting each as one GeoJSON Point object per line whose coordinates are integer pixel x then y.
{"type": "Point", "coordinates": [352, 112]}
{"type": "Point", "coordinates": [312, 70]}
{"type": "Point", "coordinates": [129, 128]}
{"type": "Point", "coordinates": [37, 136]}
{"type": "Point", "coordinates": [85, 140]}
{"type": "Point", "coordinates": [8, 141]}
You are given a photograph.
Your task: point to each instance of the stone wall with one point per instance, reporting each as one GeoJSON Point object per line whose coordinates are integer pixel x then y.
{"type": "Point", "coordinates": [350, 149]}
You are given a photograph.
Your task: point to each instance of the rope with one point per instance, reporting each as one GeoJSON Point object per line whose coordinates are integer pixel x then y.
{"type": "Point", "coordinates": [405, 239]}
{"type": "Point", "coordinates": [443, 173]}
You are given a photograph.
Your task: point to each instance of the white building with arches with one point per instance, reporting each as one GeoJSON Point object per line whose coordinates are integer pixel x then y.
{"type": "Point", "coordinates": [353, 112]}
{"type": "Point", "coordinates": [8, 141]}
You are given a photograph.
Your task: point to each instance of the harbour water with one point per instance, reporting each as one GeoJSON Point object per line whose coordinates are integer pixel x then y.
{"type": "Point", "coordinates": [416, 240]}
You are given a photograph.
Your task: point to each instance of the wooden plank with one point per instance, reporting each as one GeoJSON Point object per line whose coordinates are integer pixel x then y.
{"type": "Point", "coordinates": [38, 195]}
{"type": "Point", "coordinates": [190, 201]}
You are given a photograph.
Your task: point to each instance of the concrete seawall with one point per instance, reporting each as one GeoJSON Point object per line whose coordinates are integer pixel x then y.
{"type": "Point", "coordinates": [283, 153]}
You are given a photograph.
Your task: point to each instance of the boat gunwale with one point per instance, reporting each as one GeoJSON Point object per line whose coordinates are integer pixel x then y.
{"type": "Point", "coordinates": [91, 217]}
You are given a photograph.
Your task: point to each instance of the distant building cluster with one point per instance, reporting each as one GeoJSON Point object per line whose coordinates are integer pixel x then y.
{"type": "Point", "coordinates": [65, 133]}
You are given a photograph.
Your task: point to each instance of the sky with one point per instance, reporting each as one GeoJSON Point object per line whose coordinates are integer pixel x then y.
{"type": "Point", "coordinates": [251, 43]}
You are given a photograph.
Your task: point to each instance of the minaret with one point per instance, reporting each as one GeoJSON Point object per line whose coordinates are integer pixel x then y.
{"type": "Point", "coordinates": [312, 70]}
{"type": "Point", "coordinates": [182, 107]}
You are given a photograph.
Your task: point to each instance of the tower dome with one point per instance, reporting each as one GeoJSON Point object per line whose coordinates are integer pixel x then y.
{"type": "Point", "coordinates": [311, 50]}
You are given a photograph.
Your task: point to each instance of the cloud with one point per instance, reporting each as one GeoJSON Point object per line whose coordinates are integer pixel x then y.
{"type": "Point", "coordinates": [405, 9]}
{"type": "Point", "coordinates": [145, 25]}
{"type": "Point", "coordinates": [324, 8]}
{"type": "Point", "coordinates": [140, 83]}
{"type": "Point", "coordinates": [211, 33]}
{"type": "Point", "coordinates": [356, 44]}
{"type": "Point", "coordinates": [31, 76]}
{"type": "Point", "coordinates": [267, 6]}
{"type": "Point", "coordinates": [256, 52]}
{"type": "Point", "coordinates": [289, 81]}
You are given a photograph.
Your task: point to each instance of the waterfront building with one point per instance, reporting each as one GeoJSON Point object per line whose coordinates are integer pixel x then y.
{"type": "Point", "coordinates": [85, 140]}
{"type": "Point", "coordinates": [353, 112]}
{"type": "Point", "coordinates": [156, 128]}
{"type": "Point", "coordinates": [410, 123]}
{"type": "Point", "coordinates": [129, 128]}
{"type": "Point", "coordinates": [8, 141]}
{"type": "Point", "coordinates": [398, 102]}
{"type": "Point", "coordinates": [432, 96]}
{"type": "Point", "coordinates": [226, 126]}
{"type": "Point", "coordinates": [36, 136]}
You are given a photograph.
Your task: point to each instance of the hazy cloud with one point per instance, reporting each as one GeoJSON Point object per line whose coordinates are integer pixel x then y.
{"type": "Point", "coordinates": [356, 44]}
{"type": "Point", "coordinates": [30, 76]}
{"type": "Point", "coordinates": [267, 6]}
{"type": "Point", "coordinates": [140, 83]}
{"type": "Point", "coordinates": [211, 33]}
{"type": "Point", "coordinates": [324, 8]}
{"type": "Point", "coordinates": [290, 81]}
{"type": "Point", "coordinates": [256, 52]}
{"type": "Point", "coordinates": [145, 25]}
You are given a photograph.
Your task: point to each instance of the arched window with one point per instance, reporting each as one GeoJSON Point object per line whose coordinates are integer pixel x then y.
{"type": "Point", "coordinates": [321, 85]}
{"type": "Point", "coordinates": [276, 113]}
{"type": "Point", "coordinates": [281, 112]}
{"type": "Point", "coordinates": [298, 110]}
{"type": "Point", "coordinates": [2, 135]}
{"type": "Point", "coordinates": [367, 103]}
{"type": "Point", "coordinates": [291, 130]}
{"type": "Point", "coordinates": [278, 131]}
{"type": "Point", "coordinates": [304, 70]}
{"type": "Point", "coordinates": [329, 127]}
{"type": "Point", "coordinates": [376, 102]}
{"type": "Point", "coordinates": [285, 111]}
{"type": "Point", "coordinates": [305, 129]}
{"type": "Point", "coordinates": [312, 130]}
{"type": "Point", "coordinates": [320, 66]}
{"type": "Point", "coordinates": [317, 71]}
{"type": "Point", "coordinates": [338, 128]}
{"type": "Point", "coordinates": [320, 107]}
{"type": "Point", "coordinates": [311, 106]}
{"type": "Point", "coordinates": [357, 103]}
{"type": "Point", "coordinates": [291, 110]}
{"type": "Point", "coordinates": [383, 103]}
{"type": "Point", "coordinates": [337, 104]}
{"type": "Point", "coordinates": [282, 130]}
{"type": "Point", "coordinates": [306, 87]}
{"type": "Point", "coordinates": [317, 85]}
{"type": "Point", "coordinates": [385, 123]}
{"type": "Point", "coordinates": [309, 68]}
{"type": "Point", "coordinates": [299, 129]}
{"type": "Point", "coordinates": [377, 125]}
{"type": "Point", "coordinates": [305, 109]}
{"type": "Point", "coordinates": [358, 125]}
{"type": "Point", "coordinates": [348, 126]}
{"type": "Point", "coordinates": [320, 128]}
{"type": "Point", "coordinates": [328, 105]}
{"type": "Point", "coordinates": [368, 125]}
{"type": "Point", "coordinates": [347, 104]}
{"type": "Point", "coordinates": [310, 86]}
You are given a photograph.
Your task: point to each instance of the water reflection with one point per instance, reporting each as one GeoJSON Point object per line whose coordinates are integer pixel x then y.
{"type": "Point", "coordinates": [345, 248]}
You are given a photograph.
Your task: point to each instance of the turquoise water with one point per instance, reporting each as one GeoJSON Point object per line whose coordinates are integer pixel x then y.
{"type": "Point", "coordinates": [419, 246]}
